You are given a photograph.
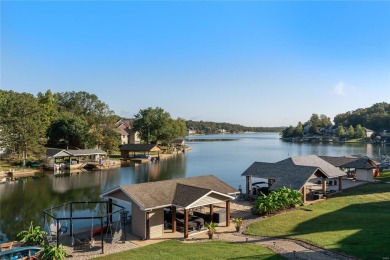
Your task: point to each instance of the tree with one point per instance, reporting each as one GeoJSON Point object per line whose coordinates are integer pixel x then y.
{"type": "Point", "coordinates": [340, 131]}
{"type": "Point", "coordinates": [298, 131]}
{"type": "Point", "coordinates": [351, 132]}
{"type": "Point", "coordinates": [69, 131]}
{"type": "Point", "coordinates": [360, 132]}
{"type": "Point", "coordinates": [89, 108]}
{"type": "Point", "coordinates": [154, 125]}
{"type": "Point", "coordinates": [325, 121]}
{"type": "Point", "coordinates": [288, 132]}
{"type": "Point", "coordinates": [314, 120]}
{"type": "Point", "coordinates": [21, 121]}
{"type": "Point", "coordinates": [48, 103]}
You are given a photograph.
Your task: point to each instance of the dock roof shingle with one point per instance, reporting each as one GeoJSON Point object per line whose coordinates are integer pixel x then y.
{"type": "Point", "coordinates": [285, 175]}
{"type": "Point", "coordinates": [140, 147]}
{"type": "Point", "coordinates": [315, 161]}
{"type": "Point", "coordinates": [163, 193]}
{"type": "Point", "coordinates": [361, 163]}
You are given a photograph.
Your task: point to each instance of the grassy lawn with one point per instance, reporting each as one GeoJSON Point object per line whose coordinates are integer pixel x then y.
{"type": "Point", "coordinates": [206, 250]}
{"type": "Point", "coordinates": [356, 222]}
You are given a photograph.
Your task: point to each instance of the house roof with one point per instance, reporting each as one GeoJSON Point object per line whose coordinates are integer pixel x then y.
{"type": "Point", "coordinates": [68, 153]}
{"type": "Point", "coordinates": [183, 191]}
{"type": "Point", "coordinates": [338, 161]}
{"type": "Point", "coordinates": [140, 147]}
{"type": "Point", "coordinates": [313, 160]}
{"type": "Point", "coordinates": [285, 175]}
{"type": "Point", "coordinates": [178, 141]}
{"type": "Point", "coordinates": [361, 163]}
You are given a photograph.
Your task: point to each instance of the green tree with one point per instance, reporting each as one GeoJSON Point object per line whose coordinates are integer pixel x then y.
{"type": "Point", "coordinates": [325, 121]}
{"type": "Point", "coordinates": [298, 131]}
{"type": "Point", "coordinates": [89, 108]}
{"type": "Point", "coordinates": [340, 131]}
{"type": "Point", "coordinates": [314, 120]}
{"type": "Point", "coordinates": [21, 123]}
{"type": "Point", "coordinates": [110, 140]}
{"type": "Point", "coordinates": [288, 132]}
{"type": "Point", "coordinates": [360, 132]}
{"type": "Point", "coordinates": [48, 103]}
{"type": "Point", "coordinates": [155, 125]}
{"type": "Point", "coordinates": [69, 132]}
{"type": "Point", "coordinates": [351, 131]}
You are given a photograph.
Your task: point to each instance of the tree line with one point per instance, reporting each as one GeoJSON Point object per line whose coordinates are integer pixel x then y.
{"type": "Point", "coordinates": [73, 120]}
{"type": "Point", "coordinates": [207, 127]}
{"type": "Point", "coordinates": [351, 124]}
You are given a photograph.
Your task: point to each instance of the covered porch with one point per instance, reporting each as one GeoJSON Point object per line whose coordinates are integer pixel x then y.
{"type": "Point", "coordinates": [177, 206]}
{"type": "Point", "coordinates": [311, 181]}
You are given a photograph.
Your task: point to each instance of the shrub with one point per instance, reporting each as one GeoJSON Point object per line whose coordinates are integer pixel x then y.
{"type": "Point", "coordinates": [53, 252]}
{"type": "Point", "coordinates": [34, 236]}
{"type": "Point", "coordinates": [283, 198]}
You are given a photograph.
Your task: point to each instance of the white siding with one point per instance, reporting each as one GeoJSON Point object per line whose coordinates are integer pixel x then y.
{"type": "Point", "coordinates": [156, 223]}
{"type": "Point", "coordinates": [364, 175]}
{"type": "Point", "coordinates": [138, 221]}
{"type": "Point", "coordinates": [210, 199]}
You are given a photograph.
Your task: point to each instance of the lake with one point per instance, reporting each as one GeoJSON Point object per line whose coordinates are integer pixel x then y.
{"type": "Point", "coordinates": [225, 156]}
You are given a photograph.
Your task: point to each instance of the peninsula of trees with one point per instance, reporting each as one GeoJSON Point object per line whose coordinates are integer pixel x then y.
{"type": "Point", "coordinates": [352, 124]}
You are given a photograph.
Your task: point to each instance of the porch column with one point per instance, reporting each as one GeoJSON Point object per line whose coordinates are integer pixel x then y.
{"type": "Point", "coordinates": [340, 183]}
{"type": "Point", "coordinates": [304, 194]}
{"type": "Point", "coordinates": [186, 223]}
{"type": "Point", "coordinates": [147, 225]}
{"type": "Point", "coordinates": [109, 213]}
{"type": "Point", "coordinates": [228, 213]}
{"type": "Point", "coordinates": [211, 212]}
{"type": "Point", "coordinates": [248, 185]}
{"type": "Point", "coordinates": [324, 185]}
{"type": "Point", "coordinates": [173, 209]}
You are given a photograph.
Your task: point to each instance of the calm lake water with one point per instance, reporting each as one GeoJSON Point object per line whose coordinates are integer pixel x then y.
{"type": "Point", "coordinates": [225, 156]}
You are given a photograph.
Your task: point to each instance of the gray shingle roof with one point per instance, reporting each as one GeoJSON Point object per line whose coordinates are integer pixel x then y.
{"type": "Point", "coordinates": [186, 194]}
{"type": "Point", "coordinates": [361, 163]}
{"type": "Point", "coordinates": [315, 161]}
{"type": "Point", "coordinates": [66, 153]}
{"type": "Point", "coordinates": [140, 147]}
{"type": "Point", "coordinates": [338, 161]}
{"type": "Point", "coordinates": [285, 175]}
{"type": "Point", "coordinates": [162, 193]}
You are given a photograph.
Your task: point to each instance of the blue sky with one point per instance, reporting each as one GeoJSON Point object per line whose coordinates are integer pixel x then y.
{"type": "Point", "coordinates": [255, 63]}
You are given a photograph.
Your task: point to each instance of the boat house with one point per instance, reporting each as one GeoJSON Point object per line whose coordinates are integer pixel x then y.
{"type": "Point", "coordinates": [126, 149]}
{"type": "Point", "coordinates": [295, 173]}
{"type": "Point", "coordinates": [174, 204]}
{"type": "Point", "coordinates": [72, 158]}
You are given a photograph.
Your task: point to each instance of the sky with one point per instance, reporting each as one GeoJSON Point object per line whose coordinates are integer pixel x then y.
{"type": "Point", "coordinates": [254, 63]}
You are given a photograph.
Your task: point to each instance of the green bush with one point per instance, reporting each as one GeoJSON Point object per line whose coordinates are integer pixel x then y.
{"type": "Point", "coordinates": [283, 198]}
{"type": "Point", "coordinates": [34, 236]}
{"type": "Point", "coordinates": [53, 253]}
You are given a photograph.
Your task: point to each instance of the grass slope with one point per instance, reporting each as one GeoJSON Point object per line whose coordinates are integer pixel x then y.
{"type": "Point", "coordinates": [356, 222]}
{"type": "Point", "coordinates": [207, 250]}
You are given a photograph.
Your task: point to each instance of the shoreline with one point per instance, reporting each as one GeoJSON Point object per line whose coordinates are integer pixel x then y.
{"type": "Point", "coordinates": [30, 172]}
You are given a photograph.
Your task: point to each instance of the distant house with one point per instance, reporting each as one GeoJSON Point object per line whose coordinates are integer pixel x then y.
{"type": "Point", "coordinates": [191, 131]}
{"type": "Point", "coordinates": [368, 132]}
{"type": "Point", "coordinates": [179, 143]}
{"type": "Point", "coordinates": [128, 135]}
{"type": "Point", "coordinates": [306, 130]}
